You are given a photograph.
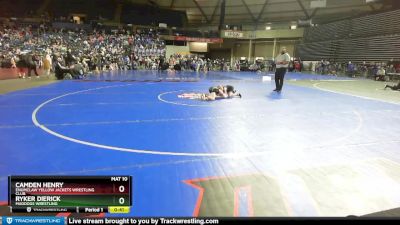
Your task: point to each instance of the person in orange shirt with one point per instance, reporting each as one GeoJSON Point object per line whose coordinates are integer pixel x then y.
{"type": "Point", "coordinates": [47, 65]}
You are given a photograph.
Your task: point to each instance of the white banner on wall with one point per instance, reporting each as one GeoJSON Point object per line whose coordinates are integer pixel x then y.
{"type": "Point", "coordinates": [318, 4]}
{"type": "Point", "coordinates": [233, 34]}
{"type": "Point", "coordinates": [198, 47]}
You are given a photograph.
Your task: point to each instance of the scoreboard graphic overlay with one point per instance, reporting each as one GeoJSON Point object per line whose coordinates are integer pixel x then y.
{"type": "Point", "coordinates": [77, 194]}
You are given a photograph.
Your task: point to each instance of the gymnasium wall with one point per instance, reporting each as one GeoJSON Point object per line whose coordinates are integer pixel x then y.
{"type": "Point", "coordinates": [290, 47]}
{"type": "Point", "coordinates": [264, 49]}
{"type": "Point", "coordinates": [12, 73]}
{"type": "Point", "coordinates": [220, 54]}
{"type": "Point", "coordinates": [259, 48]}
{"type": "Point", "coordinates": [264, 34]}
{"type": "Point", "coordinates": [173, 49]}
{"type": "Point", "coordinates": [199, 47]}
{"type": "Point", "coordinates": [241, 49]}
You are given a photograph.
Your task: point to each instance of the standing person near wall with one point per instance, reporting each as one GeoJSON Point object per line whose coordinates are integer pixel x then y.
{"type": "Point", "coordinates": [21, 65]}
{"type": "Point", "coordinates": [351, 69]}
{"type": "Point", "coordinates": [297, 66]}
{"type": "Point", "coordinates": [47, 64]}
{"type": "Point", "coordinates": [30, 60]}
{"type": "Point", "coordinates": [282, 64]}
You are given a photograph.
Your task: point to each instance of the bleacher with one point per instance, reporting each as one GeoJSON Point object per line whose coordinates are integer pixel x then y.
{"type": "Point", "coordinates": [369, 38]}
{"type": "Point", "coordinates": [104, 8]}
{"type": "Point", "coordinates": [188, 33]}
{"type": "Point", "coordinates": [379, 24]}
{"type": "Point", "coordinates": [112, 11]}
{"type": "Point", "coordinates": [379, 48]}
{"type": "Point", "coordinates": [147, 15]}
{"type": "Point", "coordinates": [372, 25]}
{"type": "Point", "coordinates": [329, 31]}
{"type": "Point", "coordinates": [19, 8]}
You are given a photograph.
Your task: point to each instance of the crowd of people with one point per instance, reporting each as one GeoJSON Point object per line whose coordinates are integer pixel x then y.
{"type": "Point", "coordinates": [374, 70]}
{"type": "Point", "coordinates": [76, 52]}
{"type": "Point", "coordinates": [46, 48]}
{"type": "Point", "coordinates": [190, 62]}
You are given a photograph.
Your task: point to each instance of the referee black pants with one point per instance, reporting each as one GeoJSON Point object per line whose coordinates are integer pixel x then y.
{"type": "Point", "coordinates": [30, 68]}
{"type": "Point", "coordinates": [279, 76]}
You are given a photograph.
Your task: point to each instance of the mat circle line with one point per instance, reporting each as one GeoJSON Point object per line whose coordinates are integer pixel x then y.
{"type": "Point", "coordinates": [178, 103]}
{"type": "Point", "coordinates": [140, 151]}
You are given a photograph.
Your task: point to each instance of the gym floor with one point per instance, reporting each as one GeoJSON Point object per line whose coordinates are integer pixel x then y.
{"type": "Point", "coordinates": [325, 146]}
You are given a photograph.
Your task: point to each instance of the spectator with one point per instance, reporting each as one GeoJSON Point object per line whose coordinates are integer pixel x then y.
{"type": "Point", "coordinates": [380, 75]}
{"type": "Point", "coordinates": [47, 65]}
{"type": "Point", "coordinates": [351, 69]}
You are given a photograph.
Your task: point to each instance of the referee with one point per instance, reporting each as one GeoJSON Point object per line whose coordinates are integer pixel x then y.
{"type": "Point", "coordinates": [282, 64]}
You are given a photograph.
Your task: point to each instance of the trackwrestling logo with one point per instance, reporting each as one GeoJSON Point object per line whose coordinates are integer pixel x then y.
{"type": "Point", "coordinates": [33, 220]}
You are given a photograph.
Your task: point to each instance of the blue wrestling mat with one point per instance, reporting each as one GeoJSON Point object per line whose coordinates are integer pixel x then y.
{"type": "Point", "coordinates": [304, 152]}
